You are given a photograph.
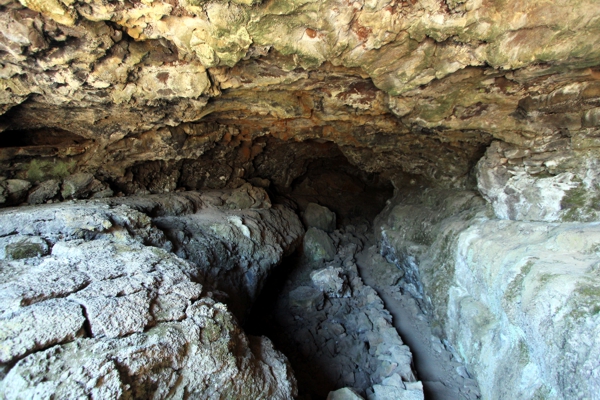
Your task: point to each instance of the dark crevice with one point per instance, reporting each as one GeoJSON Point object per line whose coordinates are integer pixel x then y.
{"type": "Point", "coordinates": [87, 327]}
{"type": "Point", "coordinates": [39, 137]}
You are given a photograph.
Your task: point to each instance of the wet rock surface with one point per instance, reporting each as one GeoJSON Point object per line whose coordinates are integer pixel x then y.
{"type": "Point", "coordinates": [104, 309]}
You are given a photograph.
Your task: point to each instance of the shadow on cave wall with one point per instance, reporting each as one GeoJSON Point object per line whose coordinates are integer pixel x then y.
{"type": "Point", "coordinates": [303, 172]}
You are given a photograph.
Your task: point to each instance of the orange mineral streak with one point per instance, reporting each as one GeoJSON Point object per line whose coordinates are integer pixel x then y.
{"type": "Point", "coordinates": [311, 33]}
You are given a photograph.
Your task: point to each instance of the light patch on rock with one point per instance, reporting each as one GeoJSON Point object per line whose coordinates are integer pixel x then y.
{"type": "Point", "coordinates": [38, 327]}
{"type": "Point", "coordinates": [153, 335]}
{"type": "Point", "coordinates": [237, 221]}
{"type": "Point", "coordinates": [331, 281]}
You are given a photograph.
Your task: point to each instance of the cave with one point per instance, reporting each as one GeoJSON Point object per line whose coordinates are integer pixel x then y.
{"type": "Point", "coordinates": [262, 199]}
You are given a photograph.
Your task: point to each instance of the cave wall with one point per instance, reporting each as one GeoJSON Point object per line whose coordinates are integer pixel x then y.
{"type": "Point", "coordinates": [500, 97]}
{"type": "Point", "coordinates": [518, 301]}
{"type": "Point", "coordinates": [98, 299]}
{"type": "Point", "coordinates": [421, 87]}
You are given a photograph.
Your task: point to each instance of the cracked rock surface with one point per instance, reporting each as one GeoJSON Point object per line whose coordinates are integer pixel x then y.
{"type": "Point", "coordinates": [108, 314]}
{"type": "Point", "coordinates": [517, 300]}
{"type": "Point", "coordinates": [155, 95]}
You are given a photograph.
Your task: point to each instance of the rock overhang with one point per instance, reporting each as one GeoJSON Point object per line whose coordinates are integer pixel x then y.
{"type": "Point", "coordinates": [417, 87]}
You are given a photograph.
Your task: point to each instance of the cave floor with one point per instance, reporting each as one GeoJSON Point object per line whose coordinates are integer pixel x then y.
{"type": "Point", "coordinates": [443, 377]}
{"type": "Point", "coordinates": [345, 338]}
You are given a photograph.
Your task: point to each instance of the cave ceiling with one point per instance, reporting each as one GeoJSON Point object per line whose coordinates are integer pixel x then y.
{"type": "Point", "coordinates": [419, 86]}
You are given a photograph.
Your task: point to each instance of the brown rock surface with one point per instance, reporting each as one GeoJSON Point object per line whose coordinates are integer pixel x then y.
{"type": "Point", "coordinates": [418, 86]}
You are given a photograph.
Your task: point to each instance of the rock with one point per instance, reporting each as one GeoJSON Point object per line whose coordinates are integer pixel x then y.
{"type": "Point", "coordinates": [260, 182]}
{"type": "Point", "coordinates": [68, 221]}
{"type": "Point", "coordinates": [318, 246]}
{"type": "Point", "coordinates": [76, 185]}
{"type": "Point", "coordinates": [99, 190]}
{"type": "Point", "coordinates": [164, 114]}
{"type": "Point", "coordinates": [43, 192]}
{"type": "Point", "coordinates": [344, 394]}
{"type": "Point", "coordinates": [247, 244]}
{"type": "Point", "coordinates": [393, 388]}
{"type": "Point", "coordinates": [306, 297]}
{"type": "Point", "coordinates": [38, 327]}
{"type": "Point", "coordinates": [16, 190]}
{"type": "Point", "coordinates": [119, 306]}
{"type": "Point", "coordinates": [192, 356]}
{"type": "Point", "coordinates": [337, 341]}
{"type": "Point", "coordinates": [106, 316]}
{"type": "Point", "coordinates": [331, 281]}
{"type": "Point", "coordinates": [17, 247]}
{"type": "Point", "coordinates": [533, 283]}
{"type": "Point", "coordinates": [248, 196]}
{"type": "Point", "coordinates": [316, 216]}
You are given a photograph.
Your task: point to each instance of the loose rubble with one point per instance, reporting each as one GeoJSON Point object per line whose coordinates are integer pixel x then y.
{"type": "Point", "coordinates": [335, 329]}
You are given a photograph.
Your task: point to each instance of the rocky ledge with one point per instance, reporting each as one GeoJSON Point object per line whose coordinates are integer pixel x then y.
{"type": "Point", "coordinates": [94, 304]}
{"type": "Point", "coordinates": [519, 301]}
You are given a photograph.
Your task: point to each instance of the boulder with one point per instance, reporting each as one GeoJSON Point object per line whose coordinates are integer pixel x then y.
{"type": "Point", "coordinates": [316, 216]}
{"type": "Point", "coordinates": [44, 192]}
{"type": "Point", "coordinates": [76, 185]}
{"type": "Point", "coordinates": [344, 394]}
{"type": "Point", "coordinates": [88, 309]}
{"type": "Point", "coordinates": [394, 388]}
{"type": "Point", "coordinates": [318, 246]}
{"type": "Point", "coordinates": [16, 190]}
{"type": "Point", "coordinates": [331, 281]}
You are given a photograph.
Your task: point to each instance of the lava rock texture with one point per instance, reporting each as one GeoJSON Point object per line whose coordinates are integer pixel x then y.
{"type": "Point", "coordinates": [518, 300]}
{"type": "Point", "coordinates": [335, 329]}
{"type": "Point", "coordinates": [150, 96]}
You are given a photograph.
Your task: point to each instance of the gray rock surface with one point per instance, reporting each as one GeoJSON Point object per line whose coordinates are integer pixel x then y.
{"type": "Point", "coordinates": [103, 314]}
{"type": "Point", "coordinates": [344, 338]}
{"type": "Point", "coordinates": [306, 297]}
{"type": "Point", "coordinates": [39, 326]}
{"type": "Point", "coordinates": [43, 192]}
{"type": "Point", "coordinates": [76, 185]}
{"type": "Point", "coordinates": [246, 244]}
{"type": "Point", "coordinates": [442, 373]}
{"type": "Point", "coordinates": [344, 394]}
{"type": "Point", "coordinates": [316, 216]}
{"type": "Point", "coordinates": [556, 185]}
{"type": "Point", "coordinates": [393, 388]}
{"type": "Point", "coordinates": [517, 300]}
{"type": "Point", "coordinates": [331, 281]}
{"type": "Point", "coordinates": [14, 190]}
{"type": "Point", "coordinates": [318, 245]}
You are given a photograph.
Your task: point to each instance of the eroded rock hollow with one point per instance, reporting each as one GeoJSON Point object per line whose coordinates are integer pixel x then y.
{"type": "Point", "coordinates": [299, 199]}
